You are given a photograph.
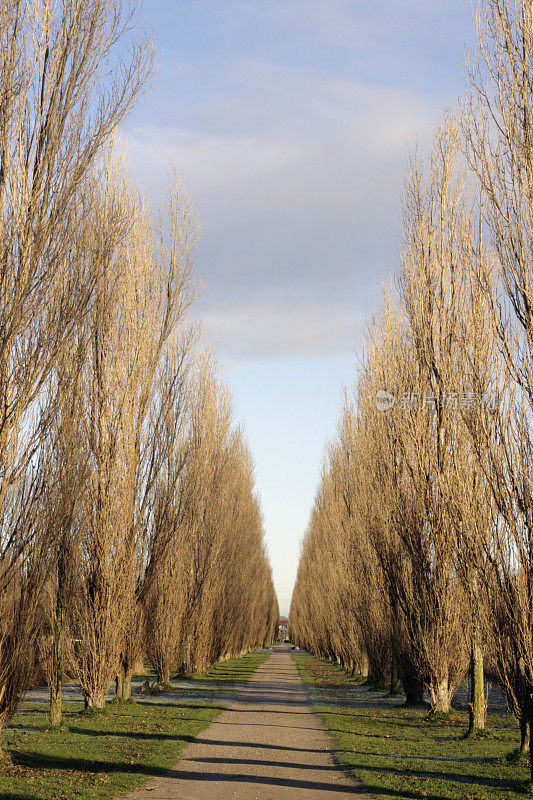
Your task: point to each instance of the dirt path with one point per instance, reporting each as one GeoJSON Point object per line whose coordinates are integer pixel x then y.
{"type": "Point", "coordinates": [268, 746]}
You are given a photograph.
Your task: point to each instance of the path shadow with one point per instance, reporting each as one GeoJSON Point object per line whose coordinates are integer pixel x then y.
{"type": "Point", "coordinates": [263, 763]}
{"type": "Point", "coordinates": [81, 765]}
{"type": "Point", "coordinates": [291, 783]}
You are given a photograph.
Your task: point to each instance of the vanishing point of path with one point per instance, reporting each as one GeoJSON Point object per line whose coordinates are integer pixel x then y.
{"type": "Point", "coordinates": [268, 746]}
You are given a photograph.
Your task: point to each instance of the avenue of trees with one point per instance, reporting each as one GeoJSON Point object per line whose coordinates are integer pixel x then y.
{"type": "Point", "coordinates": [418, 559]}
{"type": "Point", "coordinates": [129, 524]}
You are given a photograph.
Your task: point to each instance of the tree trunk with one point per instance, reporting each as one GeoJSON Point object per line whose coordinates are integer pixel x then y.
{"type": "Point", "coordinates": [530, 727]}
{"type": "Point", "coordinates": [4, 755]}
{"type": "Point", "coordinates": [411, 683]}
{"type": "Point", "coordinates": [525, 728]}
{"type": "Point", "coordinates": [441, 700]}
{"type": "Point", "coordinates": [123, 683]}
{"type": "Point", "coordinates": [56, 670]}
{"type": "Point", "coordinates": [477, 689]}
{"type": "Point", "coordinates": [413, 688]}
{"type": "Point", "coordinates": [393, 687]}
{"type": "Point", "coordinates": [126, 684]}
{"type": "Point", "coordinates": [95, 700]}
{"type": "Point", "coordinates": [524, 734]}
{"type": "Point", "coordinates": [163, 675]}
{"type": "Point", "coordinates": [415, 695]}
{"type": "Point", "coordinates": [56, 711]}
{"type": "Point", "coordinates": [119, 685]}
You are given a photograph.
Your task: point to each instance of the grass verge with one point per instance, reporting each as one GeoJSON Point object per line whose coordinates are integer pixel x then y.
{"type": "Point", "coordinates": [99, 756]}
{"type": "Point", "coordinates": [234, 670]}
{"type": "Point", "coordinates": [402, 753]}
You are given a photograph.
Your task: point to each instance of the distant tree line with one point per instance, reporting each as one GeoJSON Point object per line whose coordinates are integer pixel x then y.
{"type": "Point", "coordinates": [418, 560]}
{"type": "Point", "coordinates": [129, 524]}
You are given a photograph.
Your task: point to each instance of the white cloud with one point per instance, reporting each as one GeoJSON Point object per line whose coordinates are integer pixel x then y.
{"type": "Point", "coordinates": [256, 334]}
{"type": "Point", "coordinates": [299, 216]}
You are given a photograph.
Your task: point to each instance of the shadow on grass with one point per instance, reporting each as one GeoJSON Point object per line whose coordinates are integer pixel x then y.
{"type": "Point", "coordinates": [183, 738]}
{"type": "Point", "coordinates": [407, 722]}
{"type": "Point", "coordinates": [173, 704]}
{"type": "Point", "coordinates": [47, 762]}
{"type": "Point", "coordinates": [439, 759]}
{"type": "Point", "coordinates": [143, 735]}
{"type": "Point", "coordinates": [448, 777]}
{"type": "Point", "coordinates": [80, 765]}
{"type": "Point", "coordinates": [15, 796]}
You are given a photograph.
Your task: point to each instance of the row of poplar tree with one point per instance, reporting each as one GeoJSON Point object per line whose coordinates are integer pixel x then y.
{"type": "Point", "coordinates": [129, 523]}
{"type": "Point", "coordinates": [419, 553]}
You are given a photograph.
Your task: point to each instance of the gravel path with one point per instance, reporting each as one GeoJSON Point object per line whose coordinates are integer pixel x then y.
{"type": "Point", "coordinates": [267, 746]}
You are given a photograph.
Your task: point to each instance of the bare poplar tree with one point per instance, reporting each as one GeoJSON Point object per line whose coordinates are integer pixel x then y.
{"type": "Point", "coordinates": [162, 293]}
{"type": "Point", "coordinates": [498, 128]}
{"type": "Point", "coordinates": [139, 300]}
{"type": "Point", "coordinates": [66, 475]}
{"type": "Point", "coordinates": [163, 588]}
{"type": "Point", "coordinates": [212, 596]}
{"type": "Point", "coordinates": [56, 113]}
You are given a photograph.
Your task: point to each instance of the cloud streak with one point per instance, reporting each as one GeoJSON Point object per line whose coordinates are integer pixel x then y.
{"type": "Point", "coordinates": [300, 211]}
{"type": "Point", "coordinates": [263, 334]}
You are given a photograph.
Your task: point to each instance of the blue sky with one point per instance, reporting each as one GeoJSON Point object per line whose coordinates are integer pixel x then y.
{"type": "Point", "coordinates": [291, 122]}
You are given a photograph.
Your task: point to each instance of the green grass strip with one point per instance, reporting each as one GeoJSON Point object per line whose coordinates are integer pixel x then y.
{"type": "Point", "coordinates": [407, 754]}
{"type": "Point", "coordinates": [100, 755]}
